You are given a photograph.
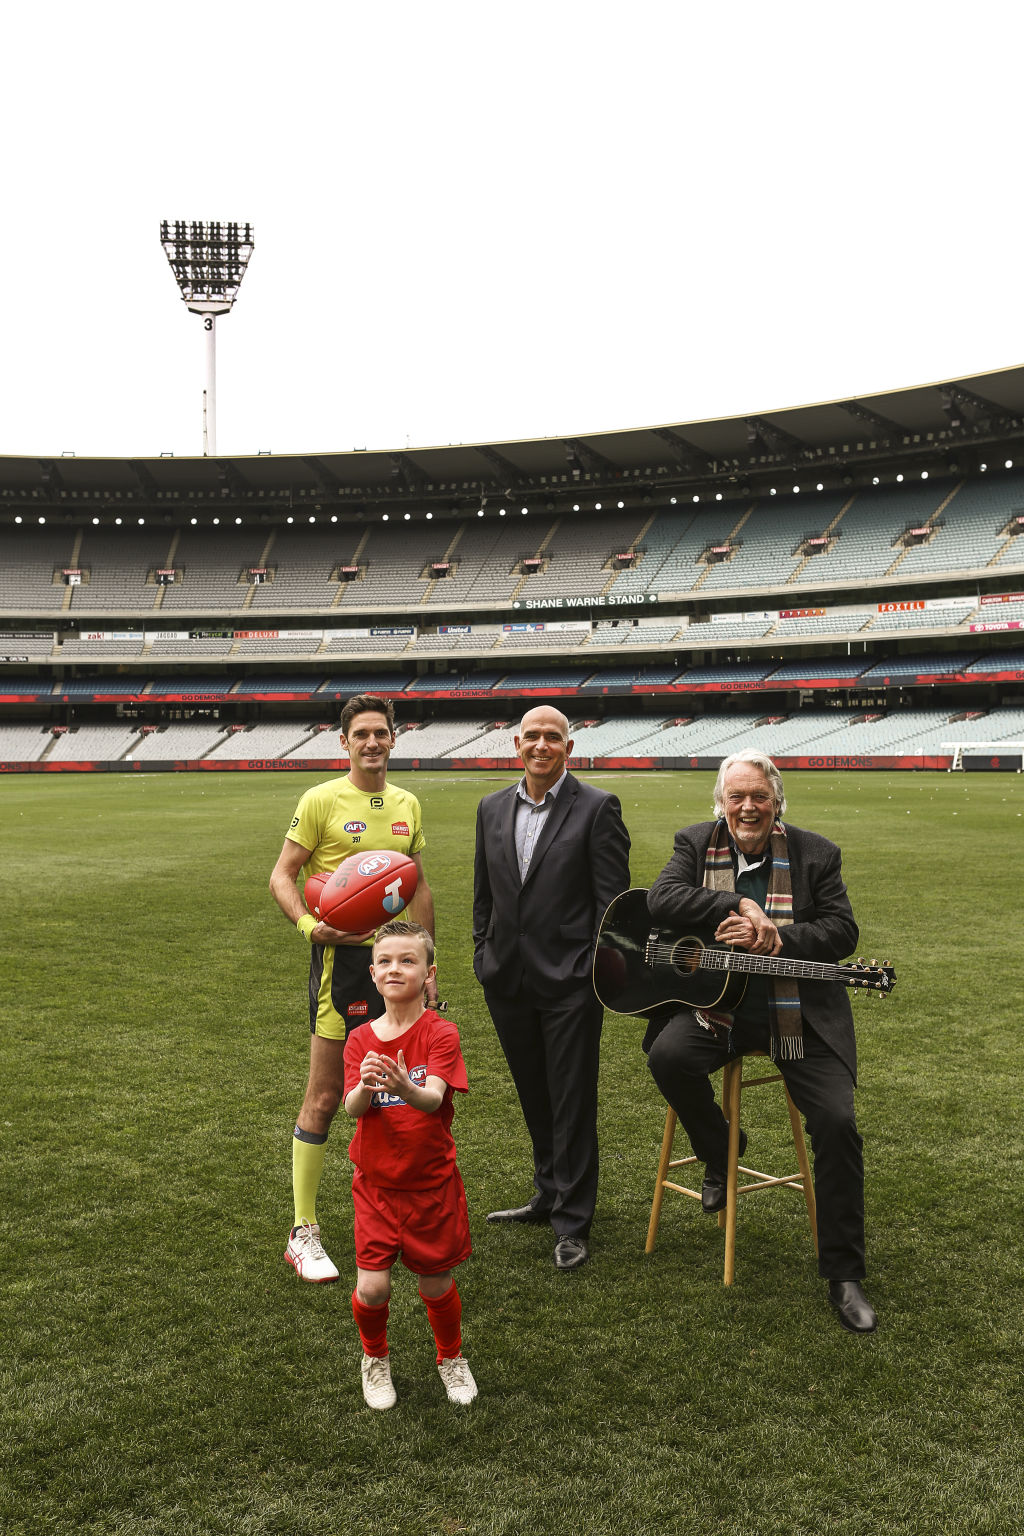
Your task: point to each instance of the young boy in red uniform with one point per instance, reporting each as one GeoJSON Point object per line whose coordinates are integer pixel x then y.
{"type": "Point", "coordinates": [401, 1072]}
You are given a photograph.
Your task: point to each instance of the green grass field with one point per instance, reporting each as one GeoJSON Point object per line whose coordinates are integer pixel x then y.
{"type": "Point", "coordinates": [162, 1369]}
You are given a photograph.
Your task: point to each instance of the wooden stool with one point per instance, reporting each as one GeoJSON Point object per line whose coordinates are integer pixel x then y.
{"type": "Point", "coordinates": [733, 1085]}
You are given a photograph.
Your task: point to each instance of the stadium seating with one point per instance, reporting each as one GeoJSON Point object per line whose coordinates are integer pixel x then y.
{"type": "Point", "coordinates": [832, 732]}
{"type": "Point", "coordinates": [187, 742]}
{"type": "Point", "coordinates": [93, 743]}
{"type": "Point", "coordinates": [30, 567]}
{"type": "Point", "coordinates": [553, 677]}
{"type": "Point", "coordinates": [437, 739]}
{"type": "Point", "coordinates": [302, 561]}
{"type": "Point", "coordinates": [212, 569]}
{"type": "Point", "coordinates": [770, 542]}
{"type": "Point", "coordinates": [72, 649]}
{"type": "Point", "coordinates": [476, 682]}
{"type": "Point", "coordinates": [635, 676]}
{"type": "Point", "coordinates": [673, 546]}
{"type": "Point", "coordinates": [174, 645]}
{"type": "Point", "coordinates": [24, 743]}
{"type": "Point", "coordinates": [263, 741]}
{"type": "Point", "coordinates": [552, 637]}
{"type": "Point", "coordinates": [317, 743]}
{"type": "Point", "coordinates": [28, 645]}
{"type": "Point", "coordinates": [120, 564]}
{"type": "Point", "coordinates": [917, 665]}
{"type": "Point", "coordinates": [1008, 661]}
{"type": "Point", "coordinates": [577, 555]}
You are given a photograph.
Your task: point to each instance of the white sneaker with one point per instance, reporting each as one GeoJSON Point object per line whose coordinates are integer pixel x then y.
{"type": "Point", "coordinates": [378, 1391]}
{"type": "Point", "coordinates": [305, 1253]}
{"type": "Point", "coordinates": [458, 1380]}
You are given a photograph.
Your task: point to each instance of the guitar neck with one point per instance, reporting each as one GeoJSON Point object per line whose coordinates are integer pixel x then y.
{"type": "Point", "coordinates": [768, 965]}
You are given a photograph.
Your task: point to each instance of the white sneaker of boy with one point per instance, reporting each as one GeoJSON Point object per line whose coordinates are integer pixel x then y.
{"type": "Point", "coordinates": [378, 1391]}
{"type": "Point", "coordinates": [305, 1253]}
{"type": "Point", "coordinates": [458, 1380]}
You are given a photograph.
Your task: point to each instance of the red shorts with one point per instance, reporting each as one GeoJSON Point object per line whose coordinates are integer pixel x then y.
{"type": "Point", "coordinates": [428, 1229]}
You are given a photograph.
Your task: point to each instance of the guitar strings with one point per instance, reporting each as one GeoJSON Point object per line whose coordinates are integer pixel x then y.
{"type": "Point", "coordinates": [693, 957]}
{"type": "Point", "coordinates": [699, 957]}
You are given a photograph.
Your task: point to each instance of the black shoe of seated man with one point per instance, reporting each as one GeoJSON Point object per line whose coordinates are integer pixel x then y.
{"type": "Point", "coordinates": [855, 1312]}
{"type": "Point", "coordinates": [714, 1190]}
{"type": "Point", "coordinates": [533, 1212]}
{"type": "Point", "coordinates": [571, 1252]}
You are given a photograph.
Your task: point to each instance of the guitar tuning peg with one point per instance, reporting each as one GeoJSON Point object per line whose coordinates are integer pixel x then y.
{"type": "Point", "coordinates": [874, 962]}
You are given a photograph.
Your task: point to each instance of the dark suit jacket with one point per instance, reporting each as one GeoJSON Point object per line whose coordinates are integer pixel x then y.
{"type": "Point", "coordinates": [540, 932]}
{"type": "Point", "coordinates": [823, 926]}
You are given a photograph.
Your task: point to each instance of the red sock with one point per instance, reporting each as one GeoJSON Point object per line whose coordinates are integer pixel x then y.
{"type": "Point", "coordinates": [445, 1314]}
{"type": "Point", "coordinates": [372, 1323]}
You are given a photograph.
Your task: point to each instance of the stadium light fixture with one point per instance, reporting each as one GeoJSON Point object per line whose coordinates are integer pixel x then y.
{"type": "Point", "coordinates": [208, 260]}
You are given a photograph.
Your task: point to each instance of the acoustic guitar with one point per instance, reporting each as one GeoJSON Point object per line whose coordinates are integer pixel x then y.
{"type": "Point", "coordinates": [637, 966]}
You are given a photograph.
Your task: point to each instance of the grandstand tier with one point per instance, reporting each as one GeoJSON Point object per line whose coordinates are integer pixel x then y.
{"type": "Point", "coordinates": [862, 592]}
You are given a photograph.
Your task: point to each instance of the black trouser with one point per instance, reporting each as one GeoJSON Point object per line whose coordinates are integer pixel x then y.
{"type": "Point", "coordinates": [552, 1047]}
{"type": "Point", "coordinates": [821, 1087]}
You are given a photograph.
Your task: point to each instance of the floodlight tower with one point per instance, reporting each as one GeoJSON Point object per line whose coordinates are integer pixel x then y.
{"type": "Point", "coordinates": [209, 262]}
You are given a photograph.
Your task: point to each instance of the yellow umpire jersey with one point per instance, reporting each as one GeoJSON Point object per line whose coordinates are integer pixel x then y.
{"type": "Point", "coordinates": [334, 820]}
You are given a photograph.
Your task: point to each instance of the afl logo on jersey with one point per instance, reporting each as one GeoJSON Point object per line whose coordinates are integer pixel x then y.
{"type": "Point", "coordinates": [355, 826]}
{"type": "Point", "coordinates": [373, 864]}
{"type": "Point", "coordinates": [399, 829]}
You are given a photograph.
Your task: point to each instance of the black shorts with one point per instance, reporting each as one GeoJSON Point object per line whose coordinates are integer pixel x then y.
{"type": "Point", "coordinates": [341, 993]}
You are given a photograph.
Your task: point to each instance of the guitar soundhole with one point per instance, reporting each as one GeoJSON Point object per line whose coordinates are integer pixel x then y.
{"type": "Point", "coordinates": [686, 956]}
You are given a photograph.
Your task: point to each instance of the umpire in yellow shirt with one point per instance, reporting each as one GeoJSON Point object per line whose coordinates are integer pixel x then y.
{"type": "Point", "coordinates": [332, 821]}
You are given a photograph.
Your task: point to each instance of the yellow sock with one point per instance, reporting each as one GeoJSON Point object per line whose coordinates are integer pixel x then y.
{"type": "Point", "coordinates": [308, 1152]}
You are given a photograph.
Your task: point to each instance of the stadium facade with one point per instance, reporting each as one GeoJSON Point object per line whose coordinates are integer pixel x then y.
{"type": "Point", "coordinates": [842, 583]}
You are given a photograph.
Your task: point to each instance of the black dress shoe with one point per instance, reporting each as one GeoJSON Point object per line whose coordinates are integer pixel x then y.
{"type": "Point", "coordinates": [534, 1212]}
{"type": "Point", "coordinates": [855, 1311]}
{"type": "Point", "coordinates": [571, 1252]}
{"type": "Point", "coordinates": [714, 1190]}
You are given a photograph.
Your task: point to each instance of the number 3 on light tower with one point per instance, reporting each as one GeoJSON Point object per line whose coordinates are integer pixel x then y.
{"type": "Point", "coordinates": [393, 900]}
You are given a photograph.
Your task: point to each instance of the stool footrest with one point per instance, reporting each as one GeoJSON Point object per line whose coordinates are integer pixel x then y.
{"type": "Point", "coordinates": [733, 1084]}
{"type": "Point", "coordinates": [680, 1189]}
{"type": "Point", "coordinates": [766, 1180]}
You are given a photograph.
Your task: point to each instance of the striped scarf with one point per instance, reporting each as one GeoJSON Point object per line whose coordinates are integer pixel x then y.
{"type": "Point", "coordinates": [785, 1020]}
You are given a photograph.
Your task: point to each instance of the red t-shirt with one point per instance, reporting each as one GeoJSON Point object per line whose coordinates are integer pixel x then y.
{"type": "Point", "coordinates": [395, 1145]}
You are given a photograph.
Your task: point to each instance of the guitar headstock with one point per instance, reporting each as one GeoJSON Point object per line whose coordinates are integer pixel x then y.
{"type": "Point", "coordinates": [870, 978]}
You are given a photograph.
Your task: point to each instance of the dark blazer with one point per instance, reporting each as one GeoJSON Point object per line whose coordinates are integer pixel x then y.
{"type": "Point", "coordinates": [541, 931]}
{"type": "Point", "coordinates": [823, 926]}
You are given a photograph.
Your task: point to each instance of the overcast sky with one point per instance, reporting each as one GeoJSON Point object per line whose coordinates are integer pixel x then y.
{"type": "Point", "coordinates": [481, 221]}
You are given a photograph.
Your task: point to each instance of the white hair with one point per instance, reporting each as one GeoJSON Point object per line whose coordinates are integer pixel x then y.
{"type": "Point", "coordinates": [757, 760]}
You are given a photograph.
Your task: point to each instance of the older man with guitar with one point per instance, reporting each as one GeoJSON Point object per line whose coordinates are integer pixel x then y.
{"type": "Point", "coordinates": [775, 894]}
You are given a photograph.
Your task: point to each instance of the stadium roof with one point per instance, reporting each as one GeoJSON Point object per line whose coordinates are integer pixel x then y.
{"type": "Point", "coordinates": [948, 426]}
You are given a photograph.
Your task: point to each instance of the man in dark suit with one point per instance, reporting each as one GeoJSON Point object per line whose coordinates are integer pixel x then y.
{"type": "Point", "coordinates": [771, 889]}
{"type": "Point", "coordinates": [551, 854]}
